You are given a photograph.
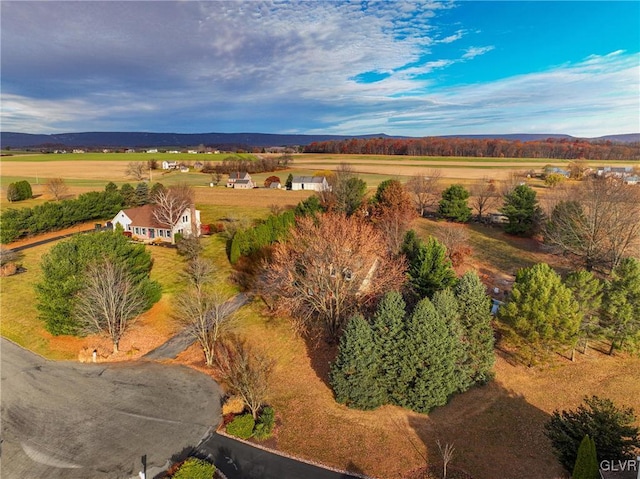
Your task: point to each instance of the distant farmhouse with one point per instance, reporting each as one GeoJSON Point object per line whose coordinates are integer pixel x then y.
{"type": "Point", "coordinates": [312, 183]}
{"type": "Point", "coordinates": [614, 171]}
{"type": "Point", "coordinates": [170, 165]}
{"type": "Point", "coordinates": [240, 180]}
{"type": "Point", "coordinates": [557, 171]}
{"type": "Point", "coordinates": [141, 224]}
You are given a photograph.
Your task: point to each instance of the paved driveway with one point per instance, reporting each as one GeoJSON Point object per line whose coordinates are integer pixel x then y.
{"type": "Point", "coordinates": [70, 420]}
{"type": "Point", "coordinates": [241, 461]}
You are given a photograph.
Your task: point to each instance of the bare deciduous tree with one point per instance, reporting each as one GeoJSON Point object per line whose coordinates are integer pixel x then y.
{"type": "Point", "coordinates": [57, 187]}
{"type": "Point", "coordinates": [447, 456]}
{"type": "Point", "coordinates": [245, 371]}
{"type": "Point", "coordinates": [484, 196]}
{"type": "Point", "coordinates": [329, 268]}
{"type": "Point", "coordinates": [137, 170]}
{"type": "Point", "coordinates": [596, 221]}
{"type": "Point", "coordinates": [456, 239]}
{"type": "Point", "coordinates": [205, 313]}
{"type": "Point", "coordinates": [171, 203]}
{"type": "Point", "coordinates": [109, 302]}
{"type": "Point", "coordinates": [425, 190]}
{"type": "Point", "coordinates": [199, 272]}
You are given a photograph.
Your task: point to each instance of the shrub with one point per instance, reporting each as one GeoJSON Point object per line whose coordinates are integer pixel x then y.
{"type": "Point", "coordinates": [242, 426]}
{"type": "Point", "coordinates": [266, 421]}
{"type": "Point", "coordinates": [233, 405]}
{"type": "Point", "coordinates": [194, 468]}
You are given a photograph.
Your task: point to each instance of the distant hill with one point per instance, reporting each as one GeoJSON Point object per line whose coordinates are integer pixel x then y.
{"type": "Point", "coordinates": [228, 140]}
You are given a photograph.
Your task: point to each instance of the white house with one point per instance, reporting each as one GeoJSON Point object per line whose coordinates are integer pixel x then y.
{"type": "Point", "coordinates": [240, 180]}
{"type": "Point", "coordinates": [152, 150]}
{"type": "Point", "coordinates": [141, 224]}
{"type": "Point", "coordinates": [169, 165]}
{"type": "Point", "coordinates": [313, 183]}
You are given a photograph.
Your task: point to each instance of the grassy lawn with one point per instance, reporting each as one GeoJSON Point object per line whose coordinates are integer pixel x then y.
{"type": "Point", "coordinates": [20, 321]}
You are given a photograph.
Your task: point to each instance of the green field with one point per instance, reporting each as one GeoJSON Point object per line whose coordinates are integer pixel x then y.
{"type": "Point", "coordinates": [186, 157]}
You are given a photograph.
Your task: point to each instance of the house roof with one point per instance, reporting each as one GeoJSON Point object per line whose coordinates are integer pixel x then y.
{"type": "Point", "coordinates": [143, 216]}
{"type": "Point", "coordinates": [237, 175]}
{"type": "Point", "coordinates": [307, 179]}
{"type": "Point", "coordinates": [243, 182]}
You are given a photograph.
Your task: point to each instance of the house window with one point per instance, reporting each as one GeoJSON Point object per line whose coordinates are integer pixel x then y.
{"type": "Point", "coordinates": [128, 227]}
{"type": "Point", "coordinates": [144, 231]}
{"type": "Point", "coordinates": [185, 218]}
{"type": "Point", "coordinates": [161, 233]}
{"type": "Point", "coordinates": [137, 230]}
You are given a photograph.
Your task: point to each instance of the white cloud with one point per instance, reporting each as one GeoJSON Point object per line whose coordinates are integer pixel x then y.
{"type": "Point", "coordinates": [473, 52]}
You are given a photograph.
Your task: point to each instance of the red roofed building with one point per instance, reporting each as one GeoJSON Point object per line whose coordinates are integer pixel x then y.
{"type": "Point", "coordinates": [143, 225]}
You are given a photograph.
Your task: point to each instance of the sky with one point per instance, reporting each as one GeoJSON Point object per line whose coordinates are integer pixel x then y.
{"type": "Point", "coordinates": [321, 67]}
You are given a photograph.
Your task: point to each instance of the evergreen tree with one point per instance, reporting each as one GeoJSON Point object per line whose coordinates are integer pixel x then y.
{"type": "Point", "coordinates": [429, 267]}
{"type": "Point", "coordinates": [621, 304]}
{"type": "Point", "coordinates": [453, 205]}
{"type": "Point", "coordinates": [141, 194]}
{"type": "Point", "coordinates": [389, 337]}
{"type": "Point", "coordinates": [289, 183]}
{"type": "Point", "coordinates": [128, 195]}
{"type": "Point", "coordinates": [63, 271]}
{"type": "Point", "coordinates": [448, 309]}
{"type": "Point", "coordinates": [353, 375]}
{"type": "Point", "coordinates": [587, 291]}
{"type": "Point", "coordinates": [522, 210]}
{"type": "Point", "coordinates": [432, 355]}
{"type": "Point", "coordinates": [612, 429]}
{"type": "Point", "coordinates": [12, 193]}
{"type": "Point", "coordinates": [111, 187]}
{"type": "Point", "coordinates": [475, 318]}
{"type": "Point", "coordinates": [541, 309]}
{"type": "Point", "coordinates": [23, 189]}
{"type": "Point", "coordinates": [587, 461]}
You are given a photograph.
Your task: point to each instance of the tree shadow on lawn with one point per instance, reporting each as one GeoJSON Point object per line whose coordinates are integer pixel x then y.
{"type": "Point", "coordinates": [321, 355]}
{"type": "Point", "coordinates": [495, 432]}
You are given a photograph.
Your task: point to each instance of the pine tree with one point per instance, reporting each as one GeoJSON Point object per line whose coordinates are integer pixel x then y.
{"type": "Point", "coordinates": [542, 309]}
{"type": "Point", "coordinates": [12, 193]}
{"type": "Point", "coordinates": [587, 291]}
{"type": "Point", "coordinates": [587, 462]}
{"type": "Point", "coordinates": [621, 304]}
{"type": "Point", "coordinates": [448, 309]}
{"type": "Point", "coordinates": [429, 267]}
{"type": "Point", "coordinates": [475, 318]}
{"type": "Point", "coordinates": [128, 195]}
{"type": "Point", "coordinates": [432, 354]}
{"type": "Point", "coordinates": [141, 194]}
{"type": "Point", "coordinates": [353, 375]}
{"type": "Point", "coordinates": [389, 337]}
{"type": "Point", "coordinates": [521, 207]}
{"type": "Point", "coordinates": [453, 205]}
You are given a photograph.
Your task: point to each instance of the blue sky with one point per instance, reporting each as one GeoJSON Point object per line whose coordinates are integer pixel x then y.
{"type": "Point", "coordinates": [400, 68]}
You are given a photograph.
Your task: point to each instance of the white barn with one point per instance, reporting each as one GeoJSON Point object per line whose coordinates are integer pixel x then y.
{"type": "Point", "coordinates": [313, 183]}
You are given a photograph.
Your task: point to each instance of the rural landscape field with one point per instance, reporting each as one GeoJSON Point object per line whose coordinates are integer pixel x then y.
{"type": "Point", "coordinates": [497, 429]}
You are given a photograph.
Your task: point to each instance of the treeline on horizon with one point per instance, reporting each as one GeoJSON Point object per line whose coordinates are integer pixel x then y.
{"type": "Point", "coordinates": [556, 148]}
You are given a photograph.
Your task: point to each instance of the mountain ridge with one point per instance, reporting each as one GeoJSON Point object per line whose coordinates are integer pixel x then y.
{"type": "Point", "coordinates": [239, 140]}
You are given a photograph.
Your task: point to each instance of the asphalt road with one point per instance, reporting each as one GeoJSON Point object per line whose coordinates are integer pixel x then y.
{"type": "Point", "coordinates": [84, 421]}
{"type": "Point", "coordinates": [241, 461]}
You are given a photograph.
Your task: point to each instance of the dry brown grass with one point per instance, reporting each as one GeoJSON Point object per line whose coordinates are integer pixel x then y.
{"type": "Point", "coordinates": [497, 429]}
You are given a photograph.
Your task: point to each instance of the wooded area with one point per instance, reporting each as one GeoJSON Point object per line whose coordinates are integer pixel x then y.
{"type": "Point", "coordinates": [564, 149]}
